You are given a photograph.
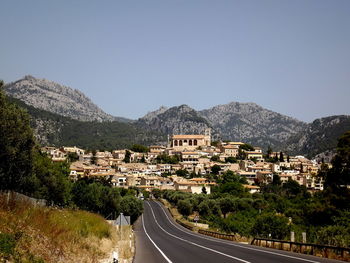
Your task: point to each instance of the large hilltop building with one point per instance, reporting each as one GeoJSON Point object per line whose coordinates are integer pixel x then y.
{"type": "Point", "coordinates": [182, 142]}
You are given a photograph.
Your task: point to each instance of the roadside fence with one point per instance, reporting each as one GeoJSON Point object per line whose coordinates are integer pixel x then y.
{"type": "Point", "coordinates": [341, 253]}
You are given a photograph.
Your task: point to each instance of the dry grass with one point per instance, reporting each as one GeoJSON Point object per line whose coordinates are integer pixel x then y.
{"type": "Point", "coordinates": [125, 245]}
{"type": "Point", "coordinates": [45, 234]}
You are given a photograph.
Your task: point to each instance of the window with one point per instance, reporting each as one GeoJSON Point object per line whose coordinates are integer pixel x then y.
{"type": "Point", "coordinates": [195, 142]}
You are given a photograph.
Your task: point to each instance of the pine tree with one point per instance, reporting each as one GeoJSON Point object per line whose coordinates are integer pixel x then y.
{"type": "Point", "coordinates": [281, 157]}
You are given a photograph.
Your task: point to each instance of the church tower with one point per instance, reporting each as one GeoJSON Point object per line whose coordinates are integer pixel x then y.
{"type": "Point", "coordinates": [207, 136]}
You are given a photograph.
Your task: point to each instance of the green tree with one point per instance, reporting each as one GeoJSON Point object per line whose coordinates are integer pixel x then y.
{"type": "Point", "coordinates": [184, 207]}
{"type": "Point", "coordinates": [281, 157]}
{"type": "Point", "coordinates": [269, 151]}
{"type": "Point", "coordinates": [246, 147]}
{"type": "Point", "coordinates": [139, 148]}
{"type": "Point", "coordinates": [215, 158]}
{"type": "Point", "coordinates": [272, 224]}
{"type": "Point", "coordinates": [157, 193]}
{"type": "Point", "coordinates": [227, 205]}
{"type": "Point", "coordinates": [182, 173]}
{"type": "Point", "coordinates": [49, 180]}
{"type": "Point", "coordinates": [339, 175]}
{"type": "Point", "coordinates": [143, 160]}
{"type": "Point", "coordinates": [127, 156]}
{"type": "Point", "coordinates": [131, 206]}
{"type": "Point", "coordinates": [276, 180]}
{"type": "Point", "coordinates": [93, 158]}
{"type": "Point", "coordinates": [215, 169]}
{"type": "Point", "coordinates": [73, 156]}
{"type": "Point", "coordinates": [16, 145]}
{"type": "Point", "coordinates": [230, 160]}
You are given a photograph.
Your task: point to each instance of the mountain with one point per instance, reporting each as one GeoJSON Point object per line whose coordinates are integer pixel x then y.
{"type": "Point", "coordinates": [251, 123]}
{"type": "Point", "coordinates": [246, 122]}
{"type": "Point", "coordinates": [176, 120]}
{"type": "Point", "coordinates": [56, 130]}
{"type": "Point", "coordinates": [53, 97]}
{"type": "Point", "coordinates": [319, 137]}
{"type": "Point", "coordinates": [63, 116]}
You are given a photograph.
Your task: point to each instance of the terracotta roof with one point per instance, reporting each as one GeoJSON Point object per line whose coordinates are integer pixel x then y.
{"type": "Point", "coordinates": [198, 179]}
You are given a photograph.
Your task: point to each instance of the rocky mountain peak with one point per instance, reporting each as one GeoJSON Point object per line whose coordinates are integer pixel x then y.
{"type": "Point", "coordinates": [153, 114]}
{"type": "Point", "coordinates": [53, 97]}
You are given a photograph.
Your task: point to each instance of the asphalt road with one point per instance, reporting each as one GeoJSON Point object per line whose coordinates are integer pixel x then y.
{"type": "Point", "coordinates": [160, 239]}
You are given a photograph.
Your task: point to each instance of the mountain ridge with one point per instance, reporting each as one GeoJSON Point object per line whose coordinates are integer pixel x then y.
{"type": "Point", "coordinates": [247, 122]}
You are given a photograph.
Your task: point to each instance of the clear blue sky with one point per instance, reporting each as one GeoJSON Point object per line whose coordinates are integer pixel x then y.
{"type": "Point", "coordinates": [130, 57]}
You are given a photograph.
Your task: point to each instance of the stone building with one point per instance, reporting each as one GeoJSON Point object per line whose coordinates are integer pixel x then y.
{"type": "Point", "coordinates": [190, 142]}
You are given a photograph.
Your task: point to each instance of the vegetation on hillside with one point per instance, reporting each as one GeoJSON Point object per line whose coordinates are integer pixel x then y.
{"type": "Point", "coordinates": [57, 130]}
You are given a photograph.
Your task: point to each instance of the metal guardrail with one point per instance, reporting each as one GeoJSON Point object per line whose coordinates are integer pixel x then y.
{"type": "Point", "coordinates": [342, 253]}
{"type": "Point", "coordinates": [217, 235]}
{"type": "Point", "coordinates": [184, 225]}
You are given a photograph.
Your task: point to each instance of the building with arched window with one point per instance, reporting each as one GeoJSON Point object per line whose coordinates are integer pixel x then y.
{"type": "Point", "coordinates": [181, 142]}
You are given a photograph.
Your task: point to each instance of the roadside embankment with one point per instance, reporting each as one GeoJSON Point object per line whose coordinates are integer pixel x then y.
{"type": "Point", "coordinates": [34, 233]}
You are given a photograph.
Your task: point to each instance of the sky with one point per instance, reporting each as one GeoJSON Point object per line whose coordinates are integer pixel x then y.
{"type": "Point", "coordinates": [131, 57]}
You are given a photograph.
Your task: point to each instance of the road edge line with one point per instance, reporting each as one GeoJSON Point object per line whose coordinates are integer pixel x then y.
{"type": "Point", "coordinates": [161, 252]}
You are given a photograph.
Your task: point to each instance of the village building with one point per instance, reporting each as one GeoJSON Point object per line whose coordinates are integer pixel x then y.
{"type": "Point", "coordinates": [157, 149]}
{"type": "Point", "coordinates": [257, 154]}
{"type": "Point", "coordinates": [190, 157]}
{"type": "Point", "coordinates": [191, 142]}
{"type": "Point", "coordinates": [119, 180]}
{"type": "Point", "coordinates": [229, 150]}
{"type": "Point", "coordinates": [250, 176]}
{"type": "Point", "coordinates": [74, 149]}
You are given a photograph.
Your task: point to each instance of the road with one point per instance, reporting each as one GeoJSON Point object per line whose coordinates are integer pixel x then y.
{"type": "Point", "coordinates": [160, 239]}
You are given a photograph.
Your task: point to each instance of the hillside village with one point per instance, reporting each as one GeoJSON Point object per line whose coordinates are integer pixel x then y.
{"type": "Point", "coordinates": [190, 163]}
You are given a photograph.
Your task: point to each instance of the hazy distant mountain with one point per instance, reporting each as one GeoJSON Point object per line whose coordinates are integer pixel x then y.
{"type": "Point", "coordinates": [53, 97]}
{"type": "Point", "coordinates": [320, 136]}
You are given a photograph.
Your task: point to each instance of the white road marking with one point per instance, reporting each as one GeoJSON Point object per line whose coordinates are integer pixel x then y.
{"type": "Point", "coordinates": [235, 245]}
{"type": "Point", "coordinates": [195, 244]}
{"type": "Point", "coordinates": [161, 252]}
